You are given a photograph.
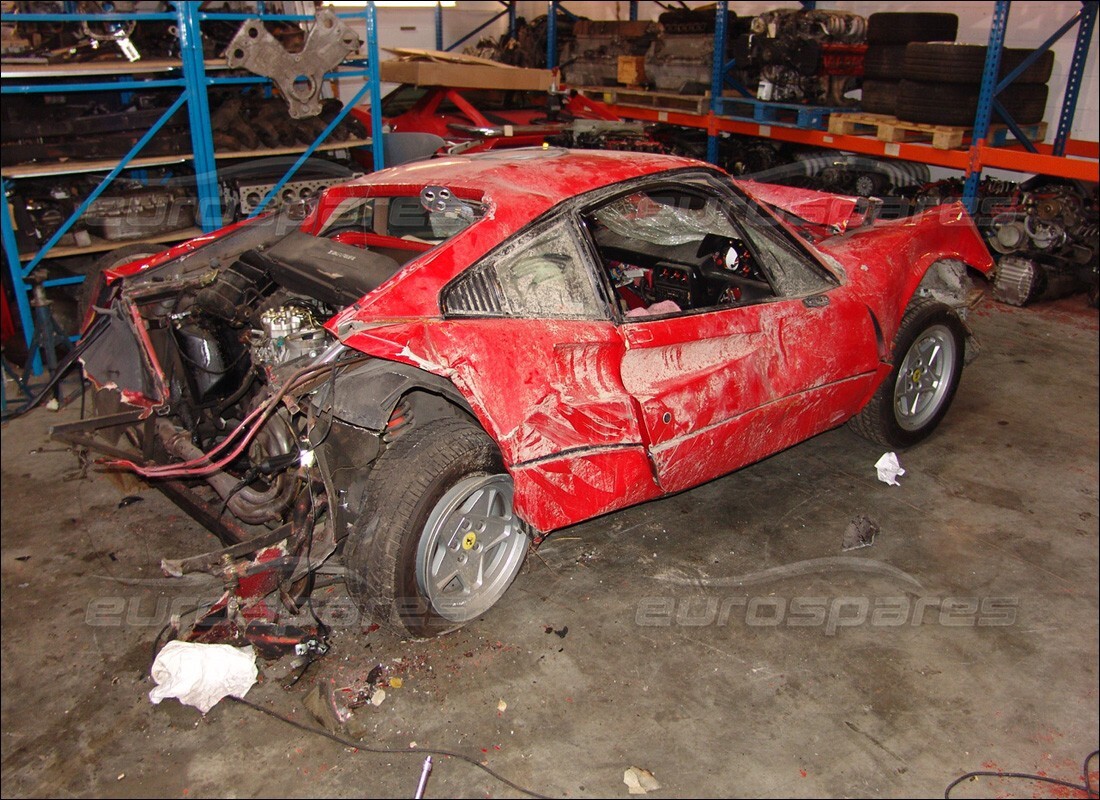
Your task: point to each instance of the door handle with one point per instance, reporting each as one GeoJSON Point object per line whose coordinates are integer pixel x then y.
{"type": "Point", "coordinates": [816, 301]}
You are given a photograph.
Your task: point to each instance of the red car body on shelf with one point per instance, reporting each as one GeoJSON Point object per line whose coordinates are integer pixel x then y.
{"type": "Point", "coordinates": [482, 119]}
{"type": "Point", "coordinates": [519, 341]}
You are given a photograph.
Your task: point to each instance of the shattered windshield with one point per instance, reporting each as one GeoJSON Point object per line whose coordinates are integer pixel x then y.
{"type": "Point", "coordinates": [643, 216]}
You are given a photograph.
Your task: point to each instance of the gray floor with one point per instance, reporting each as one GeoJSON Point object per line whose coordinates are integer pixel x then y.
{"type": "Point", "coordinates": [721, 639]}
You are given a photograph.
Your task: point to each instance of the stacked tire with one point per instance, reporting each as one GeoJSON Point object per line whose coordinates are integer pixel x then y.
{"type": "Point", "coordinates": [941, 81]}
{"type": "Point", "coordinates": [888, 35]}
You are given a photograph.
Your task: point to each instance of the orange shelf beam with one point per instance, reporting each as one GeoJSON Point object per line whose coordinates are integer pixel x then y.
{"type": "Point", "coordinates": [1079, 163]}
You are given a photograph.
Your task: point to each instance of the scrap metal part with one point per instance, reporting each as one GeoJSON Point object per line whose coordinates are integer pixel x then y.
{"type": "Point", "coordinates": [298, 75]}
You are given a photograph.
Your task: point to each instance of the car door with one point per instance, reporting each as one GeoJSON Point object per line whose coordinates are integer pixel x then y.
{"type": "Point", "coordinates": [733, 375]}
{"type": "Point", "coordinates": [528, 339]}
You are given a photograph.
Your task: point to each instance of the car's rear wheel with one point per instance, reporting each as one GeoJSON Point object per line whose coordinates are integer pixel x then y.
{"type": "Point", "coordinates": [928, 362]}
{"type": "Point", "coordinates": [437, 543]}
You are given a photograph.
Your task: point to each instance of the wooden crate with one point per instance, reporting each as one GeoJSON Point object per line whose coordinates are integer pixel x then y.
{"type": "Point", "coordinates": [620, 96]}
{"type": "Point", "coordinates": [888, 128]}
{"type": "Point", "coordinates": [631, 70]}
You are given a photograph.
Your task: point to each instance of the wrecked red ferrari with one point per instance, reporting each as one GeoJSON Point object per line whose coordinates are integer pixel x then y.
{"type": "Point", "coordinates": [440, 363]}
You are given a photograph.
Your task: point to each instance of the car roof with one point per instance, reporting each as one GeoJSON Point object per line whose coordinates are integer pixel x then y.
{"type": "Point", "coordinates": [541, 177]}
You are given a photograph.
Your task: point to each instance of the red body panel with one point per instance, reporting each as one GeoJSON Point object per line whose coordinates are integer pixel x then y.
{"type": "Point", "coordinates": [592, 415]}
{"type": "Point", "coordinates": [447, 111]}
{"type": "Point", "coordinates": [885, 263]}
{"type": "Point", "coordinates": [715, 389]}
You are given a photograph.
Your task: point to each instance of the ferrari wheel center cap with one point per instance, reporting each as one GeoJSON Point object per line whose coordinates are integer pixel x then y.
{"type": "Point", "coordinates": [469, 540]}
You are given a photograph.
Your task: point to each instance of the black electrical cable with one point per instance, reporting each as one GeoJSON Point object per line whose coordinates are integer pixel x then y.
{"type": "Point", "coordinates": [420, 751]}
{"type": "Point", "coordinates": [1085, 787]}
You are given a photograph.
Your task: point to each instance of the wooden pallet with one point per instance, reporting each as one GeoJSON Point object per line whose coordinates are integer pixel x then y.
{"type": "Point", "coordinates": [792, 115]}
{"type": "Point", "coordinates": [887, 128]}
{"type": "Point", "coordinates": [627, 96]}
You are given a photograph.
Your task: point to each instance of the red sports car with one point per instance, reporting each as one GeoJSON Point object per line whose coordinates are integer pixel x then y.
{"type": "Point", "coordinates": [440, 363]}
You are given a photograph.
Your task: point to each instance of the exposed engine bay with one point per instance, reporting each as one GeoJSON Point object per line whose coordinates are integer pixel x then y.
{"type": "Point", "coordinates": [245, 374]}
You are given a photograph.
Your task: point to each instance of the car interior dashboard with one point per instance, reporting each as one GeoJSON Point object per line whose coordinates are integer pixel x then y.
{"type": "Point", "coordinates": [711, 271]}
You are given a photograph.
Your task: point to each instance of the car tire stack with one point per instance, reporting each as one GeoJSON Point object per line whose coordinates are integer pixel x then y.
{"type": "Point", "coordinates": [888, 34]}
{"type": "Point", "coordinates": [941, 82]}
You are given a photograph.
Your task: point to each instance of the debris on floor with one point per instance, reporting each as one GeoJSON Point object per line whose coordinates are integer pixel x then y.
{"type": "Point", "coordinates": [861, 532]}
{"type": "Point", "coordinates": [889, 470]}
{"type": "Point", "coordinates": [200, 675]}
{"type": "Point", "coordinates": [640, 781]}
{"type": "Point", "coordinates": [327, 708]}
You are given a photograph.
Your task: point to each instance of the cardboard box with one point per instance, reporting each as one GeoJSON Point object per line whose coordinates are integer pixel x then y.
{"type": "Point", "coordinates": [632, 70]}
{"type": "Point", "coordinates": [466, 76]}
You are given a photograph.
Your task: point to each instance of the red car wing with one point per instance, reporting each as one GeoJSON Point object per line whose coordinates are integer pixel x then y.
{"type": "Point", "coordinates": [886, 262]}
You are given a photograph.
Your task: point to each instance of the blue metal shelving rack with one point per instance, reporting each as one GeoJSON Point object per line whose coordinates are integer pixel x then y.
{"type": "Point", "coordinates": [1085, 22]}
{"type": "Point", "coordinates": [191, 78]}
{"type": "Point", "coordinates": [509, 10]}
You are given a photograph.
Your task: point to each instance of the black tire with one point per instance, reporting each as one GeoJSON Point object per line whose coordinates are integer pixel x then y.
{"type": "Point", "coordinates": [899, 27]}
{"type": "Point", "coordinates": [92, 287]}
{"type": "Point", "coordinates": [884, 62]}
{"type": "Point", "coordinates": [926, 322]}
{"type": "Point", "coordinates": [946, 62]}
{"type": "Point", "coordinates": [410, 482]}
{"type": "Point", "coordinates": [957, 103]}
{"type": "Point", "coordinates": [880, 97]}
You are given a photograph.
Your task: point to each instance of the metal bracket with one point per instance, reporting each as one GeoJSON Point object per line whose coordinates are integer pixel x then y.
{"type": "Point", "coordinates": [298, 75]}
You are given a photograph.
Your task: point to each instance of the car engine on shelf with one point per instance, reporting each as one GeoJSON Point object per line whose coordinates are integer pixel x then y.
{"type": "Point", "coordinates": [1048, 240]}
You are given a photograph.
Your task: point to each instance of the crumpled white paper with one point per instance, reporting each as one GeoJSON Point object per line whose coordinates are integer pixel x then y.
{"type": "Point", "coordinates": [889, 469]}
{"type": "Point", "coordinates": [202, 674]}
{"type": "Point", "coordinates": [640, 781]}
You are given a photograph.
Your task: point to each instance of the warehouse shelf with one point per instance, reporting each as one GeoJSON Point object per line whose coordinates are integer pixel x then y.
{"type": "Point", "coordinates": [101, 165]}
{"type": "Point", "coordinates": [73, 167]}
{"type": "Point", "coordinates": [1066, 157]}
{"type": "Point", "coordinates": [265, 152]}
{"type": "Point", "coordinates": [1079, 161]}
{"type": "Point", "coordinates": [21, 70]}
{"type": "Point", "coordinates": [99, 245]}
{"type": "Point", "coordinates": [189, 76]}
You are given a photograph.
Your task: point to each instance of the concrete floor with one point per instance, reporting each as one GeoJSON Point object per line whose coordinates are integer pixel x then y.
{"type": "Point", "coordinates": [720, 638]}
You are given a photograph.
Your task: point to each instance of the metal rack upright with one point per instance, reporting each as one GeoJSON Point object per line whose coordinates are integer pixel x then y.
{"type": "Point", "coordinates": [190, 76]}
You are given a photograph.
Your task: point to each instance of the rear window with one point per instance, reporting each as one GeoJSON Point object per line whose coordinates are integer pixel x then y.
{"type": "Point", "coordinates": [402, 217]}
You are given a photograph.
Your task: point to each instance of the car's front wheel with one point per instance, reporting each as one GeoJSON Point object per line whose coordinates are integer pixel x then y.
{"type": "Point", "coordinates": [928, 362]}
{"type": "Point", "coordinates": [437, 543]}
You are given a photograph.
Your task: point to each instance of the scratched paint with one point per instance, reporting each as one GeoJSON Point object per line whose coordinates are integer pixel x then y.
{"type": "Point", "coordinates": [591, 415]}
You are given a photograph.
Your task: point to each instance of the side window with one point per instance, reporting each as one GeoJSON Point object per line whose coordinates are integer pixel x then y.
{"type": "Point", "coordinates": [540, 274]}
{"type": "Point", "coordinates": [667, 250]}
{"type": "Point", "coordinates": [788, 269]}
{"type": "Point", "coordinates": [353, 214]}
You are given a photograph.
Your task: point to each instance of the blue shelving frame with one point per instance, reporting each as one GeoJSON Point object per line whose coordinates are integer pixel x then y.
{"type": "Point", "coordinates": [988, 104]}
{"type": "Point", "coordinates": [509, 10]}
{"type": "Point", "coordinates": [193, 82]}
